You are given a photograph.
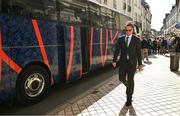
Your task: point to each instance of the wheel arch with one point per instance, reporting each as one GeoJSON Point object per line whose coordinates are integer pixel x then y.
{"type": "Point", "coordinates": [39, 63]}
{"type": "Point", "coordinates": [22, 97]}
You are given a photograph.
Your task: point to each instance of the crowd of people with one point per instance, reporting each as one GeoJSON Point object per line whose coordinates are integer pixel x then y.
{"type": "Point", "coordinates": [160, 45]}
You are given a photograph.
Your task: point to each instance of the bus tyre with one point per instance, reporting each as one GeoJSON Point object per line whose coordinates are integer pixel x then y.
{"type": "Point", "coordinates": [32, 85]}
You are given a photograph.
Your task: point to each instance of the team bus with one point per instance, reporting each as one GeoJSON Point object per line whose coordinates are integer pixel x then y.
{"type": "Point", "coordinates": [44, 42]}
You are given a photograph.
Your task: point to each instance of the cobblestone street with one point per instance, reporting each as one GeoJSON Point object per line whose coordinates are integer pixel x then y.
{"type": "Point", "coordinates": [157, 92]}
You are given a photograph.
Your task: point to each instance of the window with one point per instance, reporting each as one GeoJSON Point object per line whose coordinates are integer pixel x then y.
{"type": "Point", "coordinates": [129, 8]}
{"type": "Point", "coordinates": [106, 17]}
{"type": "Point", "coordinates": [129, 2]}
{"type": "Point", "coordinates": [13, 7]}
{"type": "Point", "coordinates": [114, 4]}
{"type": "Point", "coordinates": [105, 2]}
{"type": "Point", "coordinates": [30, 8]}
{"type": "Point", "coordinates": [72, 13]}
{"type": "Point", "coordinates": [41, 9]}
{"type": "Point", "coordinates": [135, 2]}
{"type": "Point", "coordinates": [115, 20]}
{"type": "Point", "coordinates": [124, 6]}
{"type": "Point", "coordinates": [94, 15]}
{"type": "Point", "coordinates": [135, 16]}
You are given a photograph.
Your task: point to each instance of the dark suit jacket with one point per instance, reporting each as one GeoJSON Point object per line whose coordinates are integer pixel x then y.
{"type": "Point", "coordinates": [133, 50]}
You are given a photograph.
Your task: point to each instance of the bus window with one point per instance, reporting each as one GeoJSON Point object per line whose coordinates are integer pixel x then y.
{"type": "Point", "coordinates": [106, 17]}
{"type": "Point", "coordinates": [36, 8]}
{"type": "Point", "coordinates": [72, 13]}
{"type": "Point", "coordinates": [49, 8]}
{"type": "Point", "coordinates": [7, 7]}
{"type": "Point", "coordinates": [65, 14]}
{"type": "Point", "coordinates": [103, 17]}
{"type": "Point", "coordinates": [109, 18]}
{"type": "Point", "coordinates": [39, 9]}
{"type": "Point", "coordinates": [94, 15]}
{"type": "Point", "coordinates": [115, 21]}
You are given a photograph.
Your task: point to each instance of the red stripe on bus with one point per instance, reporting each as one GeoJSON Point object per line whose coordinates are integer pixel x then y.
{"type": "Point", "coordinates": [0, 69]}
{"type": "Point", "coordinates": [105, 56]}
{"type": "Point", "coordinates": [41, 45]}
{"type": "Point", "coordinates": [113, 37]}
{"type": "Point", "coordinates": [101, 49]}
{"type": "Point", "coordinates": [10, 62]}
{"type": "Point", "coordinates": [0, 56]}
{"type": "Point", "coordinates": [91, 44]}
{"type": "Point", "coordinates": [81, 72]}
{"type": "Point", "coordinates": [71, 52]}
{"type": "Point", "coordinates": [7, 60]}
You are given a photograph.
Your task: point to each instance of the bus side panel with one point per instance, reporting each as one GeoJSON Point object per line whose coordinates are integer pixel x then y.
{"type": "Point", "coordinates": [103, 47]}
{"type": "Point", "coordinates": [20, 39]}
{"type": "Point", "coordinates": [52, 42]}
{"type": "Point", "coordinates": [96, 59]}
{"type": "Point", "coordinates": [53, 38]}
{"type": "Point", "coordinates": [6, 89]}
{"type": "Point", "coordinates": [24, 46]}
{"type": "Point", "coordinates": [8, 72]}
{"type": "Point", "coordinates": [105, 38]}
{"type": "Point", "coordinates": [111, 44]}
{"type": "Point", "coordinates": [61, 53]}
{"type": "Point", "coordinates": [73, 53]}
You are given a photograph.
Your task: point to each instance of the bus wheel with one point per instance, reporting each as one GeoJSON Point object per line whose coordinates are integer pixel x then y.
{"type": "Point", "coordinates": [32, 85]}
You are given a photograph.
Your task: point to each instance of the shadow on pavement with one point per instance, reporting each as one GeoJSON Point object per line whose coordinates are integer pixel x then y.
{"type": "Point", "coordinates": [89, 98]}
{"type": "Point", "coordinates": [60, 94]}
{"type": "Point", "coordinates": [148, 62]}
{"type": "Point", "coordinates": [152, 56]}
{"type": "Point", "coordinates": [167, 56]}
{"type": "Point", "coordinates": [177, 73]}
{"type": "Point", "coordinates": [99, 93]}
{"type": "Point", "coordinates": [125, 110]}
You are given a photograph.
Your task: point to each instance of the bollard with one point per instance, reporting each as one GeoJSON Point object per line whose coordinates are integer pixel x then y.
{"type": "Point", "coordinates": [174, 62]}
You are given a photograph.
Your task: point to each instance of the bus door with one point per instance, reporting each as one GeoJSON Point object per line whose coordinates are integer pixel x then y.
{"type": "Point", "coordinates": [73, 61]}
{"type": "Point", "coordinates": [85, 49]}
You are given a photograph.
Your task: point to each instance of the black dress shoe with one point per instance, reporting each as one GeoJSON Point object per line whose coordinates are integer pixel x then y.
{"type": "Point", "coordinates": [128, 103]}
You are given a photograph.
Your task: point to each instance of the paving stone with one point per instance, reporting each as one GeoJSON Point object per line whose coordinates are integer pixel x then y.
{"type": "Point", "coordinates": [157, 92]}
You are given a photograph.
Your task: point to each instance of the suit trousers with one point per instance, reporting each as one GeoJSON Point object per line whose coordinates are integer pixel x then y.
{"type": "Point", "coordinates": [126, 76]}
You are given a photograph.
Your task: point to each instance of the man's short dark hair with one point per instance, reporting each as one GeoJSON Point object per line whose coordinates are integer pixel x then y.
{"type": "Point", "coordinates": [130, 24]}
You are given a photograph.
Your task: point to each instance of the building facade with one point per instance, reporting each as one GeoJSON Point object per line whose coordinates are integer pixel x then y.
{"type": "Point", "coordinates": [122, 11]}
{"type": "Point", "coordinates": [146, 17]}
{"type": "Point", "coordinates": [172, 20]}
{"type": "Point", "coordinates": [137, 11]}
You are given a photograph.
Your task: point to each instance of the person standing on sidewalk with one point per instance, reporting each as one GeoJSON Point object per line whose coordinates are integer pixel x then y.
{"type": "Point", "coordinates": [130, 48]}
{"type": "Point", "coordinates": [177, 44]}
{"type": "Point", "coordinates": [144, 49]}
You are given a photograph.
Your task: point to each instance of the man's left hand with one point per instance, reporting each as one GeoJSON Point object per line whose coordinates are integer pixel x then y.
{"type": "Point", "coordinates": [140, 67]}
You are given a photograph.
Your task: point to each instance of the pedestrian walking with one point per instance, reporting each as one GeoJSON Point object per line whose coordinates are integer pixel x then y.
{"type": "Point", "coordinates": [163, 46]}
{"type": "Point", "coordinates": [177, 44]}
{"type": "Point", "coordinates": [130, 48]}
{"type": "Point", "coordinates": [158, 45]}
{"type": "Point", "coordinates": [144, 49]}
{"type": "Point", "coordinates": [155, 46]}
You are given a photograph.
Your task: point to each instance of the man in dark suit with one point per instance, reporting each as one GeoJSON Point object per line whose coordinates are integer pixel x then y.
{"type": "Point", "coordinates": [129, 47]}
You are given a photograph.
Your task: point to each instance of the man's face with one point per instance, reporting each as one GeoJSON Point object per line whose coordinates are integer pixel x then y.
{"type": "Point", "coordinates": [129, 30]}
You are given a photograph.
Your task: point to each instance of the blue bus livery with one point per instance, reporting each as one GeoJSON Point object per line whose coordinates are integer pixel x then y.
{"type": "Point", "coordinates": [37, 52]}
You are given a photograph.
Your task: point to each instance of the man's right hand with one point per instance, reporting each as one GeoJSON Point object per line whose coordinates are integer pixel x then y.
{"type": "Point", "coordinates": [114, 64]}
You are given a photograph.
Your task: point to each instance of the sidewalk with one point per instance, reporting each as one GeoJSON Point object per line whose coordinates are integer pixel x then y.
{"type": "Point", "coordinates": [157, 92]}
